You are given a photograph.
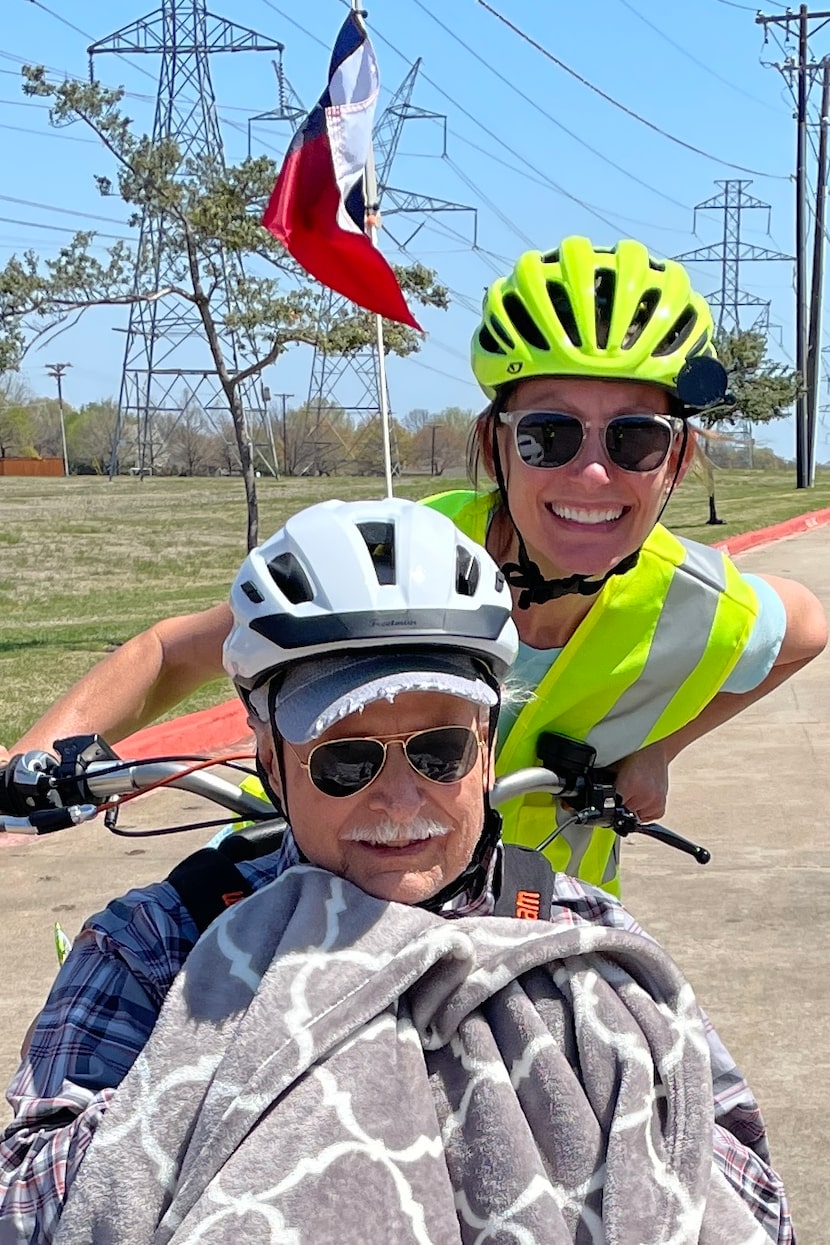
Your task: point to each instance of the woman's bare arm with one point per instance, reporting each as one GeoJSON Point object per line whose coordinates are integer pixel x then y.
{"type": "Point", "coordinates": [642, 778]}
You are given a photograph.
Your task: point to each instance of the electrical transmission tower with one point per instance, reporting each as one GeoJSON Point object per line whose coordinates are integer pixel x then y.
{"type": "Point", "coordinates": [165, 340]}
{"type": "Point", "coordinates": [733, 201]}
{"type": "Point", "coordinates": [359, 368]}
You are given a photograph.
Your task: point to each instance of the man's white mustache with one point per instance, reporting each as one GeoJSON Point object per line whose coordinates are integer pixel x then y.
{"type": "Point", "coordinates": [385, 832]}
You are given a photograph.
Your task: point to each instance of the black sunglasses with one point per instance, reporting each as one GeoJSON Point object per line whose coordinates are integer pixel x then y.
{"type": "Point", "coordinates": [552, 438]}
{"type": "Point", "coordinates": [343, 767]}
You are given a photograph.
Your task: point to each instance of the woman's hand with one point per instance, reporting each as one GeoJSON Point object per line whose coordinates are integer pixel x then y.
{"type": "Point", "coordinates": [643, 781]}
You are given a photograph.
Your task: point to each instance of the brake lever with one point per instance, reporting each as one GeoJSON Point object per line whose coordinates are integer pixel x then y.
{"type": "Point", "coordinates": [626, 822]}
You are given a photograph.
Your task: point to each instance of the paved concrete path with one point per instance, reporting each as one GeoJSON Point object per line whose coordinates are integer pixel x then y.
{"type": "Point", "coordinates": [751, 930]}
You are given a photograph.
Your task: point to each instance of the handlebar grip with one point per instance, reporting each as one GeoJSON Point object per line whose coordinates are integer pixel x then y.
{"type": "Point", "coordinates": [26, 783]}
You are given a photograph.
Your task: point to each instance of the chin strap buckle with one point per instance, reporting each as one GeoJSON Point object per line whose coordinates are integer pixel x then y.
{"type": "Point", "coordinates": [535, 590]}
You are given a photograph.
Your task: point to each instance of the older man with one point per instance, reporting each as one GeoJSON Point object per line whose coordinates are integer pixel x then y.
{"type": "Point", "coordinates": [353, 1053]}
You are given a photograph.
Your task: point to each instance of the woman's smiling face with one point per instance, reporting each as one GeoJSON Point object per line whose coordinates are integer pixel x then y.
{"type": "Point", "coordinates": [589, 514]}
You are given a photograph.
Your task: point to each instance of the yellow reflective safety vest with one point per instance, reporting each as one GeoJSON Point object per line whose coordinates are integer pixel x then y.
{"type": "Point", "coordinates": [656, 646]}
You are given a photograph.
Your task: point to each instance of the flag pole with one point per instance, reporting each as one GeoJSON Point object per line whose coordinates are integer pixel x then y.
{"type": "Point", "coordinates": [372, 222]}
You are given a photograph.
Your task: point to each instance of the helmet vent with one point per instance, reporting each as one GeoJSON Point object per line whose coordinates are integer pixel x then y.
{"type": "Point", "coordinates": [550, 257]}
{"type": "Point", "coordinates": [605, 281]}
{"type": "Point", "coordinates": [252, 592]}
{"type": "Point", "coordinates": [641, 318]}
{"type": "Point", "coordinates": [699, 346]}
{"type": "Point", "coordinates": [561, 304]}
{"type": "Point", "coordinates": [488, 342]}
{"type": "Point", "coordinates": [677, 334]}
{"type": "Point", "coordinates": [380, 541]}
{"type": "Point", "coordinates": [290, 578]}
{"type": "Point", "coordinates": [467, 572]}
{"type": "Point", "coordinates": [656, 265]}
{"type": "Point", "coordinates": [501, 331]}
{"type": "Point", "coordinates": [523, 322]}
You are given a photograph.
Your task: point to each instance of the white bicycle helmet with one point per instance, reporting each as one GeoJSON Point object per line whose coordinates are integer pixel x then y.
{"type": "Point", "coordinates": [341, 577]}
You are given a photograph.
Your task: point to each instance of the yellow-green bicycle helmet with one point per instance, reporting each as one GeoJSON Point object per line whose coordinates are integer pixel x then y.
{"type": "Point", "coordinates": [606, 312]}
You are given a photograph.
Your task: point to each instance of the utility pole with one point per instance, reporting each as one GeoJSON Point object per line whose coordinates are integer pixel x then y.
{"type": "Point", "coordinates": [285, 397]}
{"type": "Point", "coordinates": [56, 371]}
{"type": "Point", "coordinates": [814, 333]}
{"type": "Point", "coordinates": [265, 394]}
{"type": "Point", "coordinates": [801, 21]}
{"type": "Point", "coordinates": [432, 463]}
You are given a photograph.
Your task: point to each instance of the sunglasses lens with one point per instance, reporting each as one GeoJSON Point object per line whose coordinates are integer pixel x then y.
{"type": "Point", "coordinates": [548, 438]}
{"type": "Point", "coordinates": [638, 442]}
{"type": "Point", "coordinates": [345, 766]}
{"type": "Point", "coordinates": [446, 754]}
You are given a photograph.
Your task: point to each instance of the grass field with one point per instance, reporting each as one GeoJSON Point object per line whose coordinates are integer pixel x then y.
{"type": "Point", "coordinates": [85, 563]}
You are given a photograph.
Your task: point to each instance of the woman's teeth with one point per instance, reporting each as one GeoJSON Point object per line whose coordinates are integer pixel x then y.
{"type": "Point", "coordinates": [586, 516]}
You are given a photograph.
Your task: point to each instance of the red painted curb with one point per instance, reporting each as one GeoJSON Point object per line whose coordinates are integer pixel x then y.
{"type": "Point", "coordinates": [215, 729]}
{"type": "Point", "coordinates": [778, 531]}
{"type": "Point", "coordinates": [209, 730]}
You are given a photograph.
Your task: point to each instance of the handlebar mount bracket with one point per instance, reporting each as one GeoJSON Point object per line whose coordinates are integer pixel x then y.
{"type": "Point", "coordinates": [76, 754]}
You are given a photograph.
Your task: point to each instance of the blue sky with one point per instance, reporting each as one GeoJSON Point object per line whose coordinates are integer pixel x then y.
{"type": "Point", "coordinates": [537, 153]}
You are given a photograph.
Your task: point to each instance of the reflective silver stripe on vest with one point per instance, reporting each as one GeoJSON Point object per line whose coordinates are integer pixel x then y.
{"type": "Point", "coordinates": [579, 838]}
{"type": "Point", "coordinates": [705, 564]}
{"type": "Point", "coordinates": [679, 642]}
{"type": "Point", "coordinates": [612, 865]}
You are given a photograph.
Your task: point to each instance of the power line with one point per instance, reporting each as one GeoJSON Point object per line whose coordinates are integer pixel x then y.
{"type": "Point", "coordinates": [235, 125]}
{"type": "Point", "coordinates": [480, 124]}
{"type": "Point", "coordinates": [541, 178]}
{"type": "Point", "coordinates": [543, 112]}
{"type": "Point", "coordinates": [548, 181]}
{"type": "Point", "coordinates": [732, 5]}
{"type": "Point", "coordinates": [694, 59]}
{"type": "Point", "coordinates": [22, 129]}
{"type": "Point", "coordinates": [51, 207]}
{"type": "Point", "coordinates": [145, 99]}
{"type": "Point", "coordinates": [33, 224]}
{"type": "Point", "coordinates": [539, 181]}
{"type": "Point", "coordinates": [698, 151]}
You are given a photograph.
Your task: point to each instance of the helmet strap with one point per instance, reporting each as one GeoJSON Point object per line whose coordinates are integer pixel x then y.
{"type": "Point", "coordinates": [474, 877]}
{"type": "Point", "coordinates": [683, 445]}
{"type": "Point", "coordinates": [525, 574]}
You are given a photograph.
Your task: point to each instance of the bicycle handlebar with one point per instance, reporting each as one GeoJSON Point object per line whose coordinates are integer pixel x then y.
{"type": "Point", "coordinates": [42, 795]}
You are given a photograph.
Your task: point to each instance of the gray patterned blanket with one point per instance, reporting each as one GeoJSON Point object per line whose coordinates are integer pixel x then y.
{"type": "Point", "coordinates": [332, 1068]}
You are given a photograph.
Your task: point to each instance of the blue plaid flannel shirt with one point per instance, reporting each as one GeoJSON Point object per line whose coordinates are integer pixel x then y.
{"type": "Point", "coordinates": [107, 997]}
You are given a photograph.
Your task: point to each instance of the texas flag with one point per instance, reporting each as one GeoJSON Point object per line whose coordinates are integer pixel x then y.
{"type": "Point", "coordinates": [317, 208]}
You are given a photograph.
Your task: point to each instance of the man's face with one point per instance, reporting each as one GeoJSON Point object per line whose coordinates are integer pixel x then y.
{"type": "Point", "coordinates": [429, 829]}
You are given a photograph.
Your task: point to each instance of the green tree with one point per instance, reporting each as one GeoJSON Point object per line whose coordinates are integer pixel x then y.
{"type": "Point", "coordinates": [16, 424]}
{"type": "Point", "coordinates": [439, 441]}
{"type": "Point", "coordinates": [762, 390]}
{"type": "Point", "coordinates": [90, 436]}
{"type": "Point", "coordinates": [367, 457]}
{"type": "Point", "coordinates": [208, 209]}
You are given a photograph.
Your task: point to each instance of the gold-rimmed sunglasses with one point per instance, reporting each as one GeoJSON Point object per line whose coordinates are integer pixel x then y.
{"type": "Point", "coordinates": [342, 767]}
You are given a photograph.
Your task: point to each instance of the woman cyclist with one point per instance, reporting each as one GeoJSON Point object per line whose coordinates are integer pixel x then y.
{"type": "Point", "coordinates": [632, 640]}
